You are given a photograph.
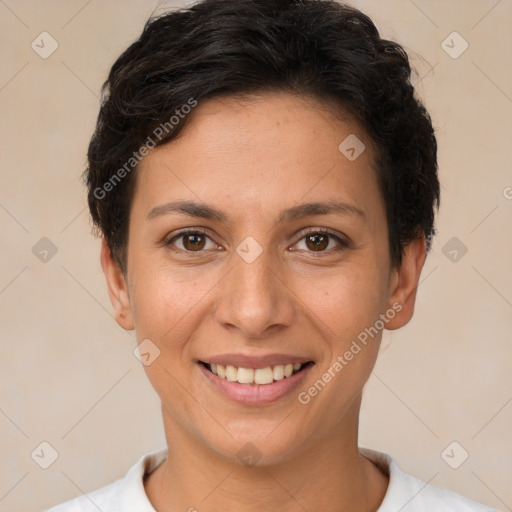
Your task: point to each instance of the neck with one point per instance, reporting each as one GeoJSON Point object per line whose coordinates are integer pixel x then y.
{"type": "Point", "coordinates": [328, 475]}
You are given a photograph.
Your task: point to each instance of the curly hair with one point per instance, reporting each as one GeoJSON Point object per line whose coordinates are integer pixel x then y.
{"type": "Point", "coordinates": [319, 48]}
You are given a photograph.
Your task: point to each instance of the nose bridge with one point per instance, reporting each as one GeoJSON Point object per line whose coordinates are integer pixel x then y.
{"type": "Point", "coordinates": [254, 279]}
{"type": "Point", "coordinates": [253, 297]}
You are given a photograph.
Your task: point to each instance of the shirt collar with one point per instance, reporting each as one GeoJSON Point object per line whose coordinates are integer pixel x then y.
{"type": "Point", "coordinates": [131, 494]}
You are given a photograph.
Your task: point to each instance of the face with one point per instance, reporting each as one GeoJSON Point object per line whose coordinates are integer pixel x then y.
{"type": "Point", "coordinates": [255, 243]}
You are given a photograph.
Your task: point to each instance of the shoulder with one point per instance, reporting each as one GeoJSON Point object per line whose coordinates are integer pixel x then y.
{"type": "Point", "coordinates": [410, 494]}
{"type": "Point", "coordinates": [121, 495]}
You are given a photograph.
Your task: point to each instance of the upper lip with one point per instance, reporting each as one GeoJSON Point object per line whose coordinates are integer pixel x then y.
{"type": "Point", "coordinates": [245, 361]}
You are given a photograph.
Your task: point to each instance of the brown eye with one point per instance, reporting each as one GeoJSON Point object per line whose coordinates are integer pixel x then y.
{"type": "Point", "coordinates": [321, 241]}
{"type": "Point", "coordinates": [191, 241]}
{"type": "Point", "coordinates": [317, 241]}
{"type": "Point", "coordinates": [194, 242]}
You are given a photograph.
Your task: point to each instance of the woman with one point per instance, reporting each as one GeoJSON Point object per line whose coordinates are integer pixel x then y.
{"type": "Point", "coordinates": [265, 183]}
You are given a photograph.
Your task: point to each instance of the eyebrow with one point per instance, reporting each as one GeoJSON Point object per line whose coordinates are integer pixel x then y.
{"type": "Point", "coordinates": [199, 210]}
{"type": "Point", "coordinates": [203, 211]}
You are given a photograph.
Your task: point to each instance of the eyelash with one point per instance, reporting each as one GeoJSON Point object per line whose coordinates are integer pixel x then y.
{"type": "Point", "coordinates": [342, 244]}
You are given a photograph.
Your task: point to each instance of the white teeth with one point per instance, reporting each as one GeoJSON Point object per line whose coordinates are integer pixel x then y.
{"type": "Point", "coordinates": [231, 373]}
{"type": "Point", "coordinates": [278, 372]}
{"type": "Point", "coordinates": [245, 376]}
{"type": "Point", "coordinates": [264, 376]}
{"type": "Point", "coordinates": [255, 376]}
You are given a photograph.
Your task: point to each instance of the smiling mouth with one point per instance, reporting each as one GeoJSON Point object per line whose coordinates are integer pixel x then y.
{"type": "Point", "coordinates": [256, 376]}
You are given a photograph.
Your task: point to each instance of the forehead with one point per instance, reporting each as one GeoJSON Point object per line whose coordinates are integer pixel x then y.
{"type": "Point", "coordinates": [268, 148]}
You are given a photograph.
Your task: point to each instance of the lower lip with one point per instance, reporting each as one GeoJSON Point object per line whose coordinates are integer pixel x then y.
{"type": "Point", "coordinates": [256, 394]}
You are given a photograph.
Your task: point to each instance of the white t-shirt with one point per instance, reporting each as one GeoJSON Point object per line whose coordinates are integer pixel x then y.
{"type": "Point", "coordinates": [405, 493]}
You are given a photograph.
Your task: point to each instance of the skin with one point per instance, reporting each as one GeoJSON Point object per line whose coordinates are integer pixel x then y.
{"type": "Point", "coordinates": [252, 158]}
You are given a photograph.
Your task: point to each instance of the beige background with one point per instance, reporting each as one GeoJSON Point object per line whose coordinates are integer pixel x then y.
{"type": "Point", "coordinates": [68, 374]}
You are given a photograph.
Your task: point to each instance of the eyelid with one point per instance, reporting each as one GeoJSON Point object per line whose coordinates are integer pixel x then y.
{"type": "Point", "coordinates": [185, 231]}
{"type": "Point", "coordinates": [169, 239]}
{"type": "Point", "coordinates": [343, 241]}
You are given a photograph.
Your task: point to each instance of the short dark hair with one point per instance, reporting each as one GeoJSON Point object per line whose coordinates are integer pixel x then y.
{"type": "Point", "coordinates": [318, 48]}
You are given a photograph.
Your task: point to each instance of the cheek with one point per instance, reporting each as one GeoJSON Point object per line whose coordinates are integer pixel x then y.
{"type": "Point", "coordinates": [346, 301]}
{"type": "Point", "coordinates": [165, 300]}
{"type": "Point", "coordinates": [167, 305]}
{"type": "Point", "coordinates": [345, 310]}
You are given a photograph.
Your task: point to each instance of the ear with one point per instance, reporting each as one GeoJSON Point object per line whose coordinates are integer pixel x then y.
{"type": "Point", "coordinates": [117, 288]}
{"type": "Point", "coordinates": [404, 283]}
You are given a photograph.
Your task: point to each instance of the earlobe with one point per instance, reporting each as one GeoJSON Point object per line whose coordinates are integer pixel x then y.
{"type": "Point", "coordinates": [117, 288]}
{"type": "Point", "coordinates": [405, 283]}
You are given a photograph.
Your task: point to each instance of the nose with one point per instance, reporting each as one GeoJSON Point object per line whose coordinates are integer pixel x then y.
{"type": "Point", "coordinates": [253, 298]}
